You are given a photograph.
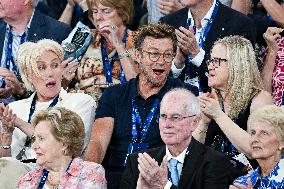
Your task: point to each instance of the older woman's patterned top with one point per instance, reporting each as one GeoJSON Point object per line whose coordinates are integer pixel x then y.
{"type": "Point", "coordinates": [90, 77]}
{"type": "Point", "coordinates": [274, 180]}
{"type": "Point", "coordinates": [80, 175]}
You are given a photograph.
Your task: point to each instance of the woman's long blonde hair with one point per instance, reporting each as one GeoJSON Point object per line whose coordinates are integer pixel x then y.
{"type": "Point", "coordinates": [244, 78]}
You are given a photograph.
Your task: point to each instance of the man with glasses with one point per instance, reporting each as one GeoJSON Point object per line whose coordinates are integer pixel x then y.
{"type": "Point", "coordinates": [182, 162]}
{"type": "Point", "coordinates": [126, 117]}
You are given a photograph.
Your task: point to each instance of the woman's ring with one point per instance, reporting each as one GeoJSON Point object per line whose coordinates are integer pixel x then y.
{"type": "Point", "coordinates": [112, 26]}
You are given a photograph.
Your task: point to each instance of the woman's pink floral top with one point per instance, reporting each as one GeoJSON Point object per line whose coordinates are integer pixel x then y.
{"type": "Point", "coordinates": [81, 175]}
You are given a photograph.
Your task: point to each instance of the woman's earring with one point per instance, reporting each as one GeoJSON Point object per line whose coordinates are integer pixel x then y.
{"type": "Point", "coordinates": [281, 149]}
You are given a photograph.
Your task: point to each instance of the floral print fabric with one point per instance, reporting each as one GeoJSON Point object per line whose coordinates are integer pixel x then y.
{"type": "Point", "coordinates": [81, 175]}
{"type": "Point", "coordinates": [278, 75]}
{"type": "Point", "coordinates": [90, 77]}
{"type": "Point", "coordinates": [274, 180]}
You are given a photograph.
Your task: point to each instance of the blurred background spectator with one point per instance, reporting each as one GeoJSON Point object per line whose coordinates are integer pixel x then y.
{"type": "Point", "coordinates": [273, 68]}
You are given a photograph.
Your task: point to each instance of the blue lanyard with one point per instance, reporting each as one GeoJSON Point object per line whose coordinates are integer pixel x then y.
{"type": "Point", "coordinates": [136, 120]}
{"type": "Point", "coordinates": [45, 175]}
{"type": "Point", "coordinates": [32, 108]}
{"type": "Point", "coordinates": [206, 30]}
{"type": "Point", "coordinates": [202, 38]}
{"type": "Point", "coordinates": [108, 64]}
{"type": "Point", "coordinates": [10, 62]}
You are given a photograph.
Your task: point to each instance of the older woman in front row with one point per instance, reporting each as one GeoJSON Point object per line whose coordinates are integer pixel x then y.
{"type": "Point", "coordinates": [266, 129]}
{"type": "Point", "coordinates": [58, 142]}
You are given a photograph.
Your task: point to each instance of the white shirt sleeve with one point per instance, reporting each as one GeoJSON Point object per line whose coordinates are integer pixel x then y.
{"type": "Point", "coordinates": [197, 60]}
{"type": "Point", "coordinates": [168, 185]}
{"type": "Point", "coordinates": [176, 71]}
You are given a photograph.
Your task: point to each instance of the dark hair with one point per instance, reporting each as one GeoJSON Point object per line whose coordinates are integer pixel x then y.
{"type": "Point", "coordinates": [157, 31]}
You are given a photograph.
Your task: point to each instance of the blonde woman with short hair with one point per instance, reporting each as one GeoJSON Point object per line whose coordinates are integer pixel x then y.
{"type": "Point", "coordinates": [41, 71]}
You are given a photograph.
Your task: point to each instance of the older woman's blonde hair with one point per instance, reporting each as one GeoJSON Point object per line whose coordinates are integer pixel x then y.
{"type": "Point", "coordinates": [124, 8]}
{"type": "Point", "coordinates": [67, 127]}
{"type": "Point", "coordinates": [272, 115]}
{"type": "Point", "coordinates": [244, 78]}
{"type": "Point", "coordinates": [28, 55]}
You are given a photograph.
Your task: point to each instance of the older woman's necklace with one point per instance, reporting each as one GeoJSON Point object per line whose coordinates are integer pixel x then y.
{"type": "Point", "coordinates": [45, 178]}
{"type": "Point", "coordinates": [53, 184]}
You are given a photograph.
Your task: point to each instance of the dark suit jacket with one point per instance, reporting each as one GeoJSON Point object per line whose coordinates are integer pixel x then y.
{"type": "Point", "coordinates": [42, 26]}
{"type": "Point", "coordinates": [203, 168]}
{"type": "Point", "coordinates": [227, 22]}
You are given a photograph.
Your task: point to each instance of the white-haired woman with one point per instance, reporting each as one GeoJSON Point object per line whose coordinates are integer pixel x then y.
{"type": "Point", "coordinates": [41, 71]}
{"type": "Point", "coordinates": [238, 90]}
{"type": "Point", "coordinates": [266, 129]}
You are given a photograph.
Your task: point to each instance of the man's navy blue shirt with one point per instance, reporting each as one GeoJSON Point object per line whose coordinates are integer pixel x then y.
{"type": "Point", "coordinates": [116, 102]}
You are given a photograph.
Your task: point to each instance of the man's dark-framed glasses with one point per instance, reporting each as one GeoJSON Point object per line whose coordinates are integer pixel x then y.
{"type": "Point", "coordinates": [175, 118]}
{"type": "Point", "coordinates": [154, 56]}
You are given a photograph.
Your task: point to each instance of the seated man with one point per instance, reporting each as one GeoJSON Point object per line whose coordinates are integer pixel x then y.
{"type": "Point", "coordinates": [126, 117]}
{"type": "Point", "coordinates": [184, 162]}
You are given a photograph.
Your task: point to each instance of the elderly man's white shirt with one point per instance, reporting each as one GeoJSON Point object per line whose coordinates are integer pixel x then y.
{"type": "Point", "coordinates": [83, 104]}
{"type": "Point", "coordinates": [180, 159]}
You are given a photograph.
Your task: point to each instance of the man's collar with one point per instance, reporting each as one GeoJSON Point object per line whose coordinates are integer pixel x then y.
{"type": "Point", "coordinates": [205, 18]}
{"type": "Point", "coordinates": [133, 84]}
{"type": "Point", "coordinates": [180, 157]}
{"type": "Point", "coordinates": [8, 27]}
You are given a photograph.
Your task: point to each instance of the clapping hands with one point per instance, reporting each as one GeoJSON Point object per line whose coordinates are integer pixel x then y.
{"type": "Point", "coordinates": [151, 174]}
{"type": "Point", "coordinates": [209, 105]}
{"type": "Point", "coordinates": [13, 85]}
{"type": "Point", "coordinates": [7, 119]}
{"type": "Point", "coordinates": [169, 6]}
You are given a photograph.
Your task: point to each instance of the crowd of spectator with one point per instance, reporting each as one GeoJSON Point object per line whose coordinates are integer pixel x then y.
{"type": "Point", "coordinates": [145, 94]}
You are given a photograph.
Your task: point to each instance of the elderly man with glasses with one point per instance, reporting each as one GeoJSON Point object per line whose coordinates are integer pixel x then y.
{"type": "Point", "coordinates": [127, 114]}
{"type": "Point", "coordinates": [182, 162]}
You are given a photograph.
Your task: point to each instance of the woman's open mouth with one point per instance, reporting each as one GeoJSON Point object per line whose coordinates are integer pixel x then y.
{"type": "Point", "coordinates": [50, 84]}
